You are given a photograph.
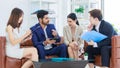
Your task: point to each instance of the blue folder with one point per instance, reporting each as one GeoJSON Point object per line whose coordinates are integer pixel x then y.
{"type": "Point", "coordinates": [93, 35]}
{"type": "Point", "coordinates": [61, 59]}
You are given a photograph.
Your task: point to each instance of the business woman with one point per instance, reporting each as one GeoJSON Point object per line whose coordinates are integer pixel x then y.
{"type": "Point", "coordinates": [71, 34]}
{"type": "Point", "coordinates": [13, 40]}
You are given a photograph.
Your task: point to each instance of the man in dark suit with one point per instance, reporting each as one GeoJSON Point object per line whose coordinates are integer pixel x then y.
{"type": "Point", "coordinates": [103, 47]}
{"type": "Point", "coordinates": [45, 37]}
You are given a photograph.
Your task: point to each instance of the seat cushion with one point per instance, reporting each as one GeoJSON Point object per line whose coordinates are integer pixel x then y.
{"type": "Point", "coordinates": [98, 60]}
{"type": "Point", "coordinates": [13, 62]}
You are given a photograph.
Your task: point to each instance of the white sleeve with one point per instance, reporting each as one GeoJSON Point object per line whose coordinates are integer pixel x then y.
{"type": "Point", "coordinates": [95, 44]}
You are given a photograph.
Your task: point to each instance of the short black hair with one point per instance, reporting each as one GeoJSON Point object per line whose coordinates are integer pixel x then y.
{"type": "Point", "coordinates": [96, 13]}
{"type": "Point", "coordinates": [40, 13]}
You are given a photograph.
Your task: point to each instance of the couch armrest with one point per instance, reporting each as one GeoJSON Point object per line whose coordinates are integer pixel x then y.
{"type": "Point", "coordinates": [27, 43]}
{"type": "Point", "coordinates": [116, 41]}
{"type": "Point", "coordinates": [115, 51]}
{"type": "Point", "coordinates": [2, 51]}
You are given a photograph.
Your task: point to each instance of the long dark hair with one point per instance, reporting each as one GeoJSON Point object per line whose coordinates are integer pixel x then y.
{"type": "Point", "coordinates": [73, 17]}
{"type": "Point", "coordinates": [14, 17]}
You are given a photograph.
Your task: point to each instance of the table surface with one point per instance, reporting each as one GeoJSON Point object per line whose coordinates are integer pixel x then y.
{"type": "Point", "coordinates": [60, 64]}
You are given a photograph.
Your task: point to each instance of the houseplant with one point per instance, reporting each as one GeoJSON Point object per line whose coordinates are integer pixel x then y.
{"type": "Point", "coordinates": [79, 10]}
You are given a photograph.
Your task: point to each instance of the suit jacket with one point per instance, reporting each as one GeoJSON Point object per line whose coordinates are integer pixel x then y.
{"type": "Point", "coordinates": [38, 35]}
{"type": "Point", "coordinates": [106, 29]}
{"type": "Point", "coordinates": [68, 35]}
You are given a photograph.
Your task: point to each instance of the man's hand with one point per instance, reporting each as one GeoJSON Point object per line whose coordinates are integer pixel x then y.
{"type": "Point", "coordinates": [89, 27]}
{"type": "Point", "coordinates": [91, 43]}
{"type": "Point", "coordinates": [48, 41]}
{"type": "Point", "coordinates": [52, 41]}
{"type": "Point", "coordinates": [54, 32]}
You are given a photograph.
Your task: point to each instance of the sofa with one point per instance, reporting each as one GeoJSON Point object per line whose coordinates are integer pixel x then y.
{"type": "Point", "coordinates": [8, 62]}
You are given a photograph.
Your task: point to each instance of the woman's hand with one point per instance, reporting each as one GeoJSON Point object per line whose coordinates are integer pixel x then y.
{"type": "Point", "coordinates": [27, 36]}
{"type": "Point", "coordinates": [28, 33]}
{"type": "Point", "coordinates": [74, 45]}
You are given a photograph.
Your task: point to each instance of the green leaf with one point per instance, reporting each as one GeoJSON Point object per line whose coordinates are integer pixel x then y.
{"type": "Point", "coordinates": [79, 10]}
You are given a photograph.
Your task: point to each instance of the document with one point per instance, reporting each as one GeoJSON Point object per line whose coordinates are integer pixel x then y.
{"type": "Point", "coordinates": [93, 35]}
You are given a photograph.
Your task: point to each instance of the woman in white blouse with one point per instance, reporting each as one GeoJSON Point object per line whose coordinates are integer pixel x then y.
{"type": "Point", "coordinates": [13, 40]}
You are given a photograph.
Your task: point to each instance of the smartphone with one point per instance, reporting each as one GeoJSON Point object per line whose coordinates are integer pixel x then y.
{"type": "Point", "coordinates": [53, 38]}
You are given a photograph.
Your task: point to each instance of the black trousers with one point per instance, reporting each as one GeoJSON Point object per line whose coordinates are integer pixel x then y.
{"type": "Point", "coordinates": [104, 51]}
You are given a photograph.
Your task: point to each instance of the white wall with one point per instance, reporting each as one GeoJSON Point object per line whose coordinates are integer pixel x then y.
{"type": "Point", "coordinates": [63, 10]}
{"type": "Point", "coordinates": [5, 9]}
{"type": "Point", "coordinates": [112, 12]}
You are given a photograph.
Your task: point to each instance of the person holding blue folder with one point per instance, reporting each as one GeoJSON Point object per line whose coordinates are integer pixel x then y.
{"type": "Point", "coordinates": [102, 47]}
{"type": "Point", "coordinates": [93, 35]}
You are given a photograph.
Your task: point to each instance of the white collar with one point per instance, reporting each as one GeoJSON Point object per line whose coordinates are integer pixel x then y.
{"type": "Point", "coordinates": [98, 26]}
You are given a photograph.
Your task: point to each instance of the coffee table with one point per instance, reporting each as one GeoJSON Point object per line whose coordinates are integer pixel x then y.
{"type": "Point", "coordinates": [61, 64]}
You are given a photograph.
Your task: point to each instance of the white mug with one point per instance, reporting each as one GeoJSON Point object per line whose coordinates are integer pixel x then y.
{"type": "Point", "coordinates": [85, 57]}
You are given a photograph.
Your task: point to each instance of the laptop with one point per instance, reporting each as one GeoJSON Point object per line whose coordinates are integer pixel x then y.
{"type": "Point", "coordinates": [64, 64]}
